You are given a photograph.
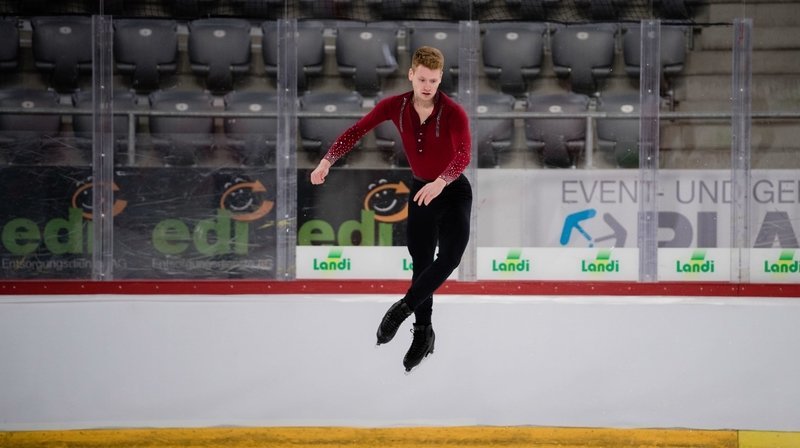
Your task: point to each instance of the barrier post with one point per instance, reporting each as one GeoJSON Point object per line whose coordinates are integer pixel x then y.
{"type": "Point", "coordinates": [468, 97]}
{"type": "Point", "coordinates": [102, 148]}
{"type": "Point", "coordinates": [650, 98]}
{"type": "Point", "coordinates": [286, 157]}
{"type": "Point", "coordinates": [740, 151]}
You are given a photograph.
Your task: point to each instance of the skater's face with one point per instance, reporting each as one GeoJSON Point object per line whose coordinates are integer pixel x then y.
{"type": "Point", "coordinates": [425, 82]}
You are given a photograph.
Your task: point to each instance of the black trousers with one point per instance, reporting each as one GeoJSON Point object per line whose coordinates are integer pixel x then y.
{"type": "Point", "coordinates": [444, 222]}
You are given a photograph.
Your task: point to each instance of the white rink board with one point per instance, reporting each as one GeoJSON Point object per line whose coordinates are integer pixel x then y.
{"type": "Point", "coordinates": [310, 360]}
{"type": "Point", "coordinates": [532, 263]}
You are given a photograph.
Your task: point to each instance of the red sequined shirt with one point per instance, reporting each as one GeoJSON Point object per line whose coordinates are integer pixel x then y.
{"type": "Point", "coordinates": [440, 146]}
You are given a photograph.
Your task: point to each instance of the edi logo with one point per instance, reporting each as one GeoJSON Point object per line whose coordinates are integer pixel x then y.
{"type": "Point", "coordinates": [73, 234]}
{"type": "Point", "coordinates": [384, 205]}
{"type": "Point", "coordinates": [242, 203]}
{"type": "Point", "coordinates": [245, 199]}
{"type": "Point", "coordinates": [334, 262]}
{"type": "Point", "coordinates": [601, 263]}
{"type": "Point", "coordinates": [512, 263]}
{"type": "Point", "coordinates": [786, 264]}
{"type": "Point", "coordinates": [696, 264]}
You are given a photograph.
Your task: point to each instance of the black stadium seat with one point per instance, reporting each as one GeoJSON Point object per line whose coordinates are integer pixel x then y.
{"type": "Point", "coordinates": [219, 49]}
{"type": "Point", "coordinates": [387, 138]}
{"type": "Point", "coordinates": [9, 45]}
{"type": "Point", "coordinates": [260, 8]}
{"type": "Point", "coordinates": [254, 139]}
{"type": "Point", "coordinates": [531, 9]}
{"type": "Point", "coordinates": [82, 124]}
{"type": "Point", "coordinates": [446, 37]}
{"type": "Point", "coordinates": [675, 9]}
{"type": "Point", "coordinates": [318, 133]}
{"type": "Point", "coordinates": [146, 50]}
{"type": "Point", "coordinates": [673, 50]}
{"type": "Point", "coordinates": [25, 138]}
{"type": "Point", "coordinates": [190, 8]}
{"type": "Point", "coordinates": [62, 49]}
{"type": "Point", "coordinates": [494, 135]}
{"type": "Point", "coordinates": [462, 9]}
{"type": "Point", "coordinates": [181, 139]}
{"type": "Point", "coordinates": [557, 140]}
{"type": "Point", "coordinates": [391, 9]}
{"type": "Point", "coordinates": [310, 50]}
{"type": "Point", "coordinates": [602, 9]}
{"type": "Point", "coordinates": [619, 137]}
{"type": "Point", "coordinates": [512, 53]}
{"type": "Point", "coordinates": [367, 53]}
{"type": "Point", "coordinates": [584, 54]}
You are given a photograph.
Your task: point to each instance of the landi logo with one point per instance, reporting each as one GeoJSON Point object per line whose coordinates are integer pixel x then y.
{"type": "Point", "coordinates": [601, 263]}
{"type": "Point", "coordinates": [334, 262]}
{"type": "Point", "coordinates": [786, 264]}
{"type": "Point", "coordinates": [512, 263]}
{"type": "Point", "coordinates": [696, 264]}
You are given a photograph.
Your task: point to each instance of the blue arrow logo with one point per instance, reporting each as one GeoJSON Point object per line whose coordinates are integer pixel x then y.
{"type": "Point", "coordinates": [573, 222]}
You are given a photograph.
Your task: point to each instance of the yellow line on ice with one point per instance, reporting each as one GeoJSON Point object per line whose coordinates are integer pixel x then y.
{"type": "Point", "coordinates": [339, 437]}
{"type": "Point", "coordinates": [765, 439]}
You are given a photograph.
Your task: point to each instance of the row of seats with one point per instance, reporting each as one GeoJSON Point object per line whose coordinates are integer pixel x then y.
{"type": "Point", "coordinates": [219, 50]}
{"type": "Point", "coordinates": [455, 9]}
{"type": "Point", "coordinates": [179, 137]}
{"type": "Point", "coordinates": [542, 9]}
{"type": "Point", "coordinates": [480, 9]}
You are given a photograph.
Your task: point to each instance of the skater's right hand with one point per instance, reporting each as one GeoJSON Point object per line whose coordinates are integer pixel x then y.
{"type": "Point", "coordinates": [320, 172]}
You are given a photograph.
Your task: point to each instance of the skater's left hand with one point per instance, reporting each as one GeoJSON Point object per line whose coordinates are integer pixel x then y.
{"type": "Point", "coordinates": [429, 192]}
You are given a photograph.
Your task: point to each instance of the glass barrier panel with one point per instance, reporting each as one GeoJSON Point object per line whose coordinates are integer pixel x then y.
{"type": "Point", "coordinates": [46, 228]}
{"type": "Point", "coordinates": [695, 179]}
{"type": "Point", "coordinates": [191, 157]}
{"type": "Point", "coordinates": [196, 132]}
{"type": "Point", "coordinates": [774, 195]}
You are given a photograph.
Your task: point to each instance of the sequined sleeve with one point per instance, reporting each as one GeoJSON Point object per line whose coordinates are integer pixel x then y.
{"type": "Point", "coordinates": [462, 143]}
{"type": "Point", "coordinates": [348, 139]}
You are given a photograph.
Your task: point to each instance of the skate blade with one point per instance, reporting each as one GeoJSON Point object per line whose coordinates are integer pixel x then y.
{"type": "Point", "coordinates": [424, 358]}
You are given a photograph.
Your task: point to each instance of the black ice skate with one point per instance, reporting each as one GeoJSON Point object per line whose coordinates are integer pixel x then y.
{"type": "Point", "coordinates": [421, 346]}
{"type": "Point", "coordinates": [391, 321]}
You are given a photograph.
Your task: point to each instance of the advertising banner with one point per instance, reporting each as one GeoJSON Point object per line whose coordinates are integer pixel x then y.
{"type": "Point", "coordinates": [195, 223]}
{"type": "Point", "coordinates": [353, 262]}
{"type": "Point", "coordinates": [353, 208]}
{"type": "Point", "coordinates": [207, 223]}
{"type": "Point", "coordinates": [572, 209]}
{"type": "Point", "coordinates": [688, 265]}
{"type": "Point", "coordinates": [180, 223]}
{"type": "Point", "coordinates": [775, 265]}
{"type": "Point", "coordinates": [536, 263]}
{"type": "Point", "coordinates": [599, 208]}
{"type": "Point", "coordinates": [44, 224]}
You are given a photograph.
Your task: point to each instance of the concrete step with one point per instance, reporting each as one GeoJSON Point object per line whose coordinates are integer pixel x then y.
{"type": "Point", "coordinates": [772, 62]}
{"type": "Point", "coordinates": [764, 14]}
{"type": "Point", "coordinates": [764, 38]}
{"type": "Point", "coordinates": [768, 158]}
{"type": "Point", "coordinates": [702, 134]}
{"type": "Point", "coordinates": [769, 92]}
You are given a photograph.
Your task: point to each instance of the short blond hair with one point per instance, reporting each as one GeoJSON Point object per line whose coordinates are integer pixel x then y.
{"type": "Point", "coordinates": [428, 57]}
